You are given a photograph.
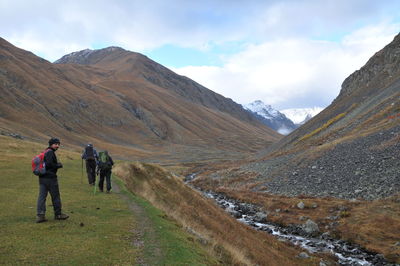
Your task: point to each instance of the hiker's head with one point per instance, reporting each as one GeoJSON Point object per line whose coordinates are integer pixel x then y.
{"type": "Point", "coordinates": [106, 152]}
{"type": "Point", "coordinates": [54, 143]}
{"type": "Point", "coordinates": [90, 145]}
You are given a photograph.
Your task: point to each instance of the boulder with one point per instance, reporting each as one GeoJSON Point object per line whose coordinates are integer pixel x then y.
{"type": "Point", "coordinates": [311, 227]}
{"type": "Point", "coordinates": [260, 217]}
{"type": "Point", "coordinates": [300, 205]}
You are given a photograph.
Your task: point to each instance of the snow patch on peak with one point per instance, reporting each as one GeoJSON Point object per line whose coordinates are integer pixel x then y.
{"type": "Point", "coordinates": [262, 109]}
{"type": "Point", "coordinates": [270, 117]}
{"type": "Point", "coordinates": [301, 115]}
{"type": "Point", "coordinates": [81, 56]}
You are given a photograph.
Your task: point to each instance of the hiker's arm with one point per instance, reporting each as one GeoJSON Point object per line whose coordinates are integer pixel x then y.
{"type": "Point", "coordinates": [96, 156]}
{"type": "Point", "coordinates": [51, 161]}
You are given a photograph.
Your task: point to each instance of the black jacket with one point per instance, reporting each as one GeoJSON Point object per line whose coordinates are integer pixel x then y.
{"type": "Point", "coordinates": [51, 163]}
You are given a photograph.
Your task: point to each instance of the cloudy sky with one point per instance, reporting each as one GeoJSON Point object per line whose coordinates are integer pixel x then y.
{"type": "Point", "coordinates": [287, 53]}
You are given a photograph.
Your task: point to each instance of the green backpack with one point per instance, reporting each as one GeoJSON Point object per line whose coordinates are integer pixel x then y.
{"type": "Point", "coordinates": [104, 161]}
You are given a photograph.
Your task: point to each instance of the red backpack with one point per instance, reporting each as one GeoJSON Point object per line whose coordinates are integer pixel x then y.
{"type": "Point", "coordinates": [38, 165]}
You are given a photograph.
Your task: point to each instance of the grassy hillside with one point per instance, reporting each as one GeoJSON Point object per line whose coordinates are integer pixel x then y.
{"type": "Point", "coordinates": [139, 108]}
{"type": "Point", "coordinates": [101, 228]}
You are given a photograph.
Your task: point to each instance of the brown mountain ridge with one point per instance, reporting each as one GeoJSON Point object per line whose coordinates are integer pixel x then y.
{"type": "Point", "coordinates": [124, 102]}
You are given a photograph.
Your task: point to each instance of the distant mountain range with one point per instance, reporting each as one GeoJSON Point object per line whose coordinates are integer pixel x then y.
{"type": "Point", "coordinates": [284, 121]}
{"type": "Point", "coordinates": [271, 117]}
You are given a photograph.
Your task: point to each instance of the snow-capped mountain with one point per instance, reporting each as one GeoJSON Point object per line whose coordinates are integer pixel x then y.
{"type": "Point", "coordinates": [271, 117]}
{"type": "Point", "coordinates": [301, 115]}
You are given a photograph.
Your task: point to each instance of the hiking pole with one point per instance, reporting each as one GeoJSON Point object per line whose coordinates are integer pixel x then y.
{"type": "Point", "coordinates": [82, 173]}
{"type": "Point", "coordinates": [96, 174]}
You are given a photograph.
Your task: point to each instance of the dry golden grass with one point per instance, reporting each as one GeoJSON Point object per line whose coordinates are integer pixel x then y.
{"type": "Point", "coordinates": [324, 126]}
{"type": "Point", "coordinates": [232, 242]}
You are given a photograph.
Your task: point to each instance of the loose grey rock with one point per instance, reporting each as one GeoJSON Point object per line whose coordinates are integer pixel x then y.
{"type": "Point", "coordinates": [310, 227]}
{"type": "Point", "coordinates": [303, 255]}
{"type": "Point", "coordinates": [322, 263]}
{"type": "Point", "coordinates": [300, 205]}
{"type": "Point", "coordinates": [234, 213]}
{"type": "Point", "coordinates": [260, 217]}
{"type": "Point", "coordinates": [303, 218]}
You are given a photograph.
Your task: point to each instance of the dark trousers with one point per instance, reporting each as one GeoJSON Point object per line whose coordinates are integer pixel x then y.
{"type": "Point", "coordinates": [48, 185]}
{"type": "Point", "coordinates": [91, 171]}
{"type": "Point", "coordinates": [107, 175]}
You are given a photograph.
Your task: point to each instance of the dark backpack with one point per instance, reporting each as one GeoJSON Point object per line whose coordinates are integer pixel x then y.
{"type": "Point", "coordinates": [89, 152]}
{"type": "Point", "coordinates": [38, 165]}
{"type": "Point", "coordinates": [104, 161]}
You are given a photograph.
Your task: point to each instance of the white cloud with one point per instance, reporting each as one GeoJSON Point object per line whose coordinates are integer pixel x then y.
{"type": "Point", "coordinates": [283, 64]}
{"type": "Point", "coordinates": [289, 73]}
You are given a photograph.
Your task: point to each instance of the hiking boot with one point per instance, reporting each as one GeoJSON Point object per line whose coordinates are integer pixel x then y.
{"type": "Point", "coordinates": [41, 219]}
{"type": "Point", "coordinates": [108, 191]}
{"type": "Point", "coordinates": [61, 216]}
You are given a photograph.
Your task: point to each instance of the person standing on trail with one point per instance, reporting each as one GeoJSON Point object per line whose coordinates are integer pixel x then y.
{"type": "Point", "coordinates": [105, 166]}
{"type": "Point", "coordinates": [48, 182]}
{"type": "Point", "coordinates": [90, 156]}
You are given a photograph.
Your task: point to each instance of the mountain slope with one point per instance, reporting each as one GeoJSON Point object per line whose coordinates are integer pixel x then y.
{"type": "Point", "coordinates": [124, 102]}
{"type": "Point", "coordinates": [349, 150]}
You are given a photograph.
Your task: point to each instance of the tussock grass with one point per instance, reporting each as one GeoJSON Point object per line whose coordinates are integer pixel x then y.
{"type": "Point", "coordinates": [232, 242]}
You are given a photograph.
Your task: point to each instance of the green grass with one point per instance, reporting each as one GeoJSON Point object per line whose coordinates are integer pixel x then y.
{"type": "Point", "coordinates": [179, 247]}
{"type": "Point", "coordinates": [99, 230]}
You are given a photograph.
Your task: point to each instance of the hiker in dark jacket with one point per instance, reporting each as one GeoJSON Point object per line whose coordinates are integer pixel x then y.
{"type": "Point", "coordinates": [48, 182]}
{"type": "Point", "coordinates": [90, 156]}
{"type": "Point", "coordinates": [105, 166]}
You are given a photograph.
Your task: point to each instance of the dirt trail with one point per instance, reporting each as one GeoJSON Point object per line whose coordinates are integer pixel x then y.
{"type": "Point", "coordinates": [144, 235]}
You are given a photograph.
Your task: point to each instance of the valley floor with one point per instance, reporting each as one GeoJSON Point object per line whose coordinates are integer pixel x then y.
{"type": "Point", "coordinates": [103, 229]}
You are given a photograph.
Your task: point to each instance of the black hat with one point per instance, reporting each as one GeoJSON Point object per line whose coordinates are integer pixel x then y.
{"type": "Point", "coordinates": [54, 141]}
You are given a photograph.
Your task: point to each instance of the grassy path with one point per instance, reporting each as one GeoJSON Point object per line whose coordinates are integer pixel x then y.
{"type": "Point", "coordinates": [103, 229]}
{"type": "Point", "coordinates": [144, 237]}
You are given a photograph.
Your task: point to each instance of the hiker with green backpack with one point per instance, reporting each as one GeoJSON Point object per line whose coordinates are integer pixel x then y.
{"type": "Point", "coordinates": [104, 167]}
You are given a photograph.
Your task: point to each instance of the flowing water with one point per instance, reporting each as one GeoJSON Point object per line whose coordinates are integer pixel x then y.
{"type": "Point", "coordinates": [346, 253]}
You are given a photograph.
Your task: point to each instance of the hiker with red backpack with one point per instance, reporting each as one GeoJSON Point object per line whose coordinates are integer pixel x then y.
{"type": "Point", "coordinates": [90, 156]}
{"type": "Point", "coordinates": [105, 166]}
{"type": "Point", "coordinates": [45, 165]}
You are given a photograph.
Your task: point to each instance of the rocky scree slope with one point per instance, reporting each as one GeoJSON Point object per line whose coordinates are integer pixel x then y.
{"type": "Point", "coordinates": [349, 150]}
{"type": "Point", "coordinates": [367, 168]}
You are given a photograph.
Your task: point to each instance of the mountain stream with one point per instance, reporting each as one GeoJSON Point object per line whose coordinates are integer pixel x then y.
{"type": "Point", "coordinates": [347, 254]}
